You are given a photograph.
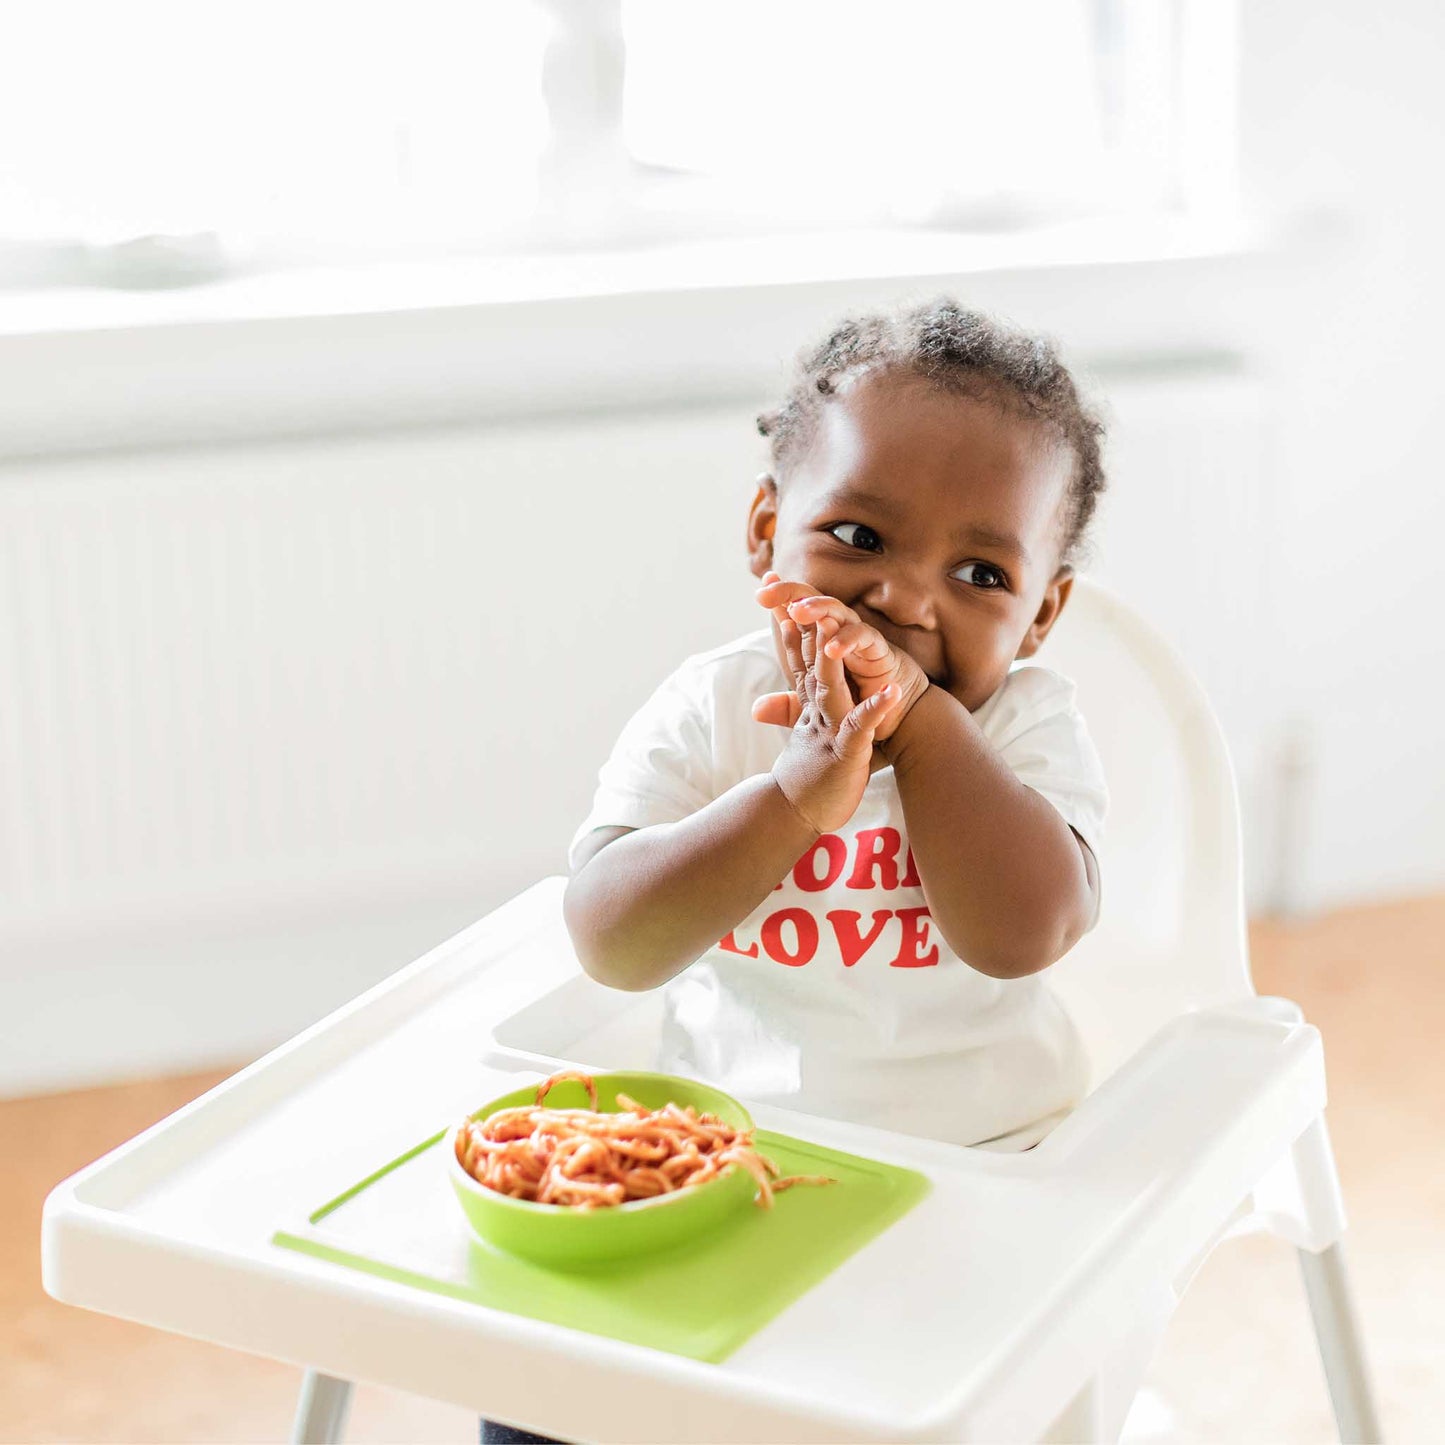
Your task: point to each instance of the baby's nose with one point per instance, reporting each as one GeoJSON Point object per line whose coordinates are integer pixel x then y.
{"type": "Point", "coordinates": [903, 600]}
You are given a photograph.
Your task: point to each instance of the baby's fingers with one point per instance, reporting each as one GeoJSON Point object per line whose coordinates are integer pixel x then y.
{"type": "Point", "coordinates": [855, 735]}
{"type": "Point", "coordinates": [816, 607]}
{"type": "Point", "coordinates": [864, 648]}
{"type": "Point", "coordinates": [831, 694]}
{"type": "Point", "coordinates": [808, 645]}
{"type": "Point", "coordinates": [791, 636]}
{"type": "Point", "coordinates": [781, 709]}
{"type": "Point", "coordinates": [775, 594]}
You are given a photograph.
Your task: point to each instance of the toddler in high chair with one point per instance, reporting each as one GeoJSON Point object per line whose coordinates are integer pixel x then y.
{"type": "Point", "coordinates": [849, 845]}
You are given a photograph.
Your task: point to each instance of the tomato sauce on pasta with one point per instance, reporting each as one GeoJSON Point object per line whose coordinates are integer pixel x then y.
{"type": "Point", "coordinates": [585, 1159]}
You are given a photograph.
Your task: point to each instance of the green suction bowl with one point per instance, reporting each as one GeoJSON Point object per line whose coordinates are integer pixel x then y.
{"type": "Point", "coordinates": [564, 1237]}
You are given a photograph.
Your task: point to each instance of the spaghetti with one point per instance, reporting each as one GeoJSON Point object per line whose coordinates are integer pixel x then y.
{"type": "Point", "coordinates": [585, 1159]}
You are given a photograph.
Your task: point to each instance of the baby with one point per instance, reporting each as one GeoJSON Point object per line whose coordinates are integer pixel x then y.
{"type": "Point", "coordinates": [850, 844]}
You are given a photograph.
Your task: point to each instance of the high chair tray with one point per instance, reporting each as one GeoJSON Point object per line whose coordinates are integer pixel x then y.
{"type": "Point", "coordinates": [701, 1300]}
{"type": "Point", "coordinates": [972, 1315]}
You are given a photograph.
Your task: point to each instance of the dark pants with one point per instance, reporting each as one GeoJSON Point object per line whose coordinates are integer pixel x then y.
{"type": "Point", "coordinates": [495, 1434]}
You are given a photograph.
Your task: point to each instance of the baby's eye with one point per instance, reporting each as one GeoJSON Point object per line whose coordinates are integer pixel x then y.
{"type": "Point", "coordinates": [980, 574]}
{"type": "Point", "coordinates": [855, 534]}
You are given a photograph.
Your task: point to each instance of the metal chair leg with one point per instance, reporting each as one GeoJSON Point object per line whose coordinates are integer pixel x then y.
{"type": "Point", "coordinates": [321, 1411]}
{"type": "Point", "coordinates": [1341, 1348]}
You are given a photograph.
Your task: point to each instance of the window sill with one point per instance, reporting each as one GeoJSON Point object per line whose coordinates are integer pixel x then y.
{"type": "Point", "coordinates": [491, 338]}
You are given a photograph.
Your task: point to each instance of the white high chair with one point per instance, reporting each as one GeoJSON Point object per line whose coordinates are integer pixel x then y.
{"type": "Point", "coordinates": [1020, 1300]}
{"type": "Point", "coordinates": [1193, 1137]}
{"type": "Point", "coordinates": [1171, 941]}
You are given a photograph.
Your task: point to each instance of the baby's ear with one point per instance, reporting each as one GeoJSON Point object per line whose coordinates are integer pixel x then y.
{"type": "Point", "coordinates": [762, 523]}
{"type": "Point", "coordinates": [1056, 594]}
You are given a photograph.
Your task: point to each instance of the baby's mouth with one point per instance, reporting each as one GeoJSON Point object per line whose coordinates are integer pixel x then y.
{"type": "Point", "coordinates": [935, 673]}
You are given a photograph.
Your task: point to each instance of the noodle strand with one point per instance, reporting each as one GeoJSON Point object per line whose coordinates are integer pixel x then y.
{"type": "Point", "coordinates": [584, 1159]}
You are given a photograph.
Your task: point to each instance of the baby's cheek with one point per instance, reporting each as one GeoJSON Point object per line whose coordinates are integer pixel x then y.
{"type": "Point", "coordinates": [975, 685]}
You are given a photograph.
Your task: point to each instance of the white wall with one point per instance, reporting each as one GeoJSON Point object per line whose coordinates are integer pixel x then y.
{"type": "Point", "coordinates": [1276, 505]}
{"type": "Point", "coordinates": [285, 715]}
{"type": "Point", "coordinates": [1344, 120]}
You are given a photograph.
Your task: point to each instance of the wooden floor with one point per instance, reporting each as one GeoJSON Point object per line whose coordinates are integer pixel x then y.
{"type": "Point", "coordinates": [1238, 1363]}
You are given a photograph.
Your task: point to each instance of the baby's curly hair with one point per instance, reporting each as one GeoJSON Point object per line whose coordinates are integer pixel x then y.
{"type": "Point", "coordinates": [961, 351]}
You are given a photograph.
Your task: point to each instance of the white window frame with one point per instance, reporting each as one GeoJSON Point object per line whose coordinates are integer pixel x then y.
{"type": "Point", "coordinates": [592, 195]}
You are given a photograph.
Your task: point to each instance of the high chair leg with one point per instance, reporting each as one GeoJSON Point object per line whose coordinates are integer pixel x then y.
{"type": "Point", "coordinates": [1341, 1349]}
{"type": "Point", "coordinates": [321, 1411]}
{"type": "Point", "coordinates": [1322, 1259]}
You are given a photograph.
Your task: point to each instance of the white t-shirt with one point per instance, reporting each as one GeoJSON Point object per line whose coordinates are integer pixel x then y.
{"type": "Point", "coordinates": [837, 995]}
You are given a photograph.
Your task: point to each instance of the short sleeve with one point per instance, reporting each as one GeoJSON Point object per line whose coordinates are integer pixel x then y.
{"type": "Point", "coordinates": [660, 769]}
{"type": "Point", "coordinates": [1039, 732]}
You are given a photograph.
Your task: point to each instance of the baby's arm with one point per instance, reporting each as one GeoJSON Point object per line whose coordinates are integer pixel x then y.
{"type": "Point", "coordinates": [1011, 886]}
{"type": "Point", "coordinates": [1009, 883]}
{"type": "Point", "coordinates": [647, 902]}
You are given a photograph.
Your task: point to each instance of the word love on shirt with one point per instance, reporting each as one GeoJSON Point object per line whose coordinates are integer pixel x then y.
{"type": "Point", "coordinates": [791, 936]}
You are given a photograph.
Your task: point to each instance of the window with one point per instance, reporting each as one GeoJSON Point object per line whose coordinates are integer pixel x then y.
{"type": "Point", "coordinates": [973, 113]}
{"type": "Point", "coordinates": [270, 133]}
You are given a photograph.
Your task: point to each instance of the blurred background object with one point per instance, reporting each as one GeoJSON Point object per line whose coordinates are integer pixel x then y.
{"type": "Point", "coordinates": [363, 365]}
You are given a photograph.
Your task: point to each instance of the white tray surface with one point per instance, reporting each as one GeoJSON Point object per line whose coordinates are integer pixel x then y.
{"type": "Point", "coordinates": [891, 1345]}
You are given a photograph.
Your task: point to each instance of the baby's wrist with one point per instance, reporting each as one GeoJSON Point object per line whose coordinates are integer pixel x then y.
{"type": "Point", "coordinates": [796, 807]}
{"type": "Point", "coordinates": [896, 744]}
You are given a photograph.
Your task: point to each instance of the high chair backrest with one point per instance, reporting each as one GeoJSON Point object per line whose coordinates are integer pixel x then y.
{"type": "Point", "coordinates": [1171, 934]}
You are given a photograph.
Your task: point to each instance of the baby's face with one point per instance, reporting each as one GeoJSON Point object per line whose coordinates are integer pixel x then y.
{"type": "Point", "coordinates": [935, 517]}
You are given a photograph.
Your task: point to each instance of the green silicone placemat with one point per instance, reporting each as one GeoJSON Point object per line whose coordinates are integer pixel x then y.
{"type": "Point", "coordinates": [701, 1300]}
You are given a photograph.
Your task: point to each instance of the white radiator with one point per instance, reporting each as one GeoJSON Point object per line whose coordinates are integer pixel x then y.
{"type": "Point", "coordinates": [228, 684]}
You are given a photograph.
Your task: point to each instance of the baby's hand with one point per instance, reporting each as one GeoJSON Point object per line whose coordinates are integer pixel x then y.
{"type": "Point", "coordinates": [829, 756]}
{"type": "Point", "coordinates": [872, 662]}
